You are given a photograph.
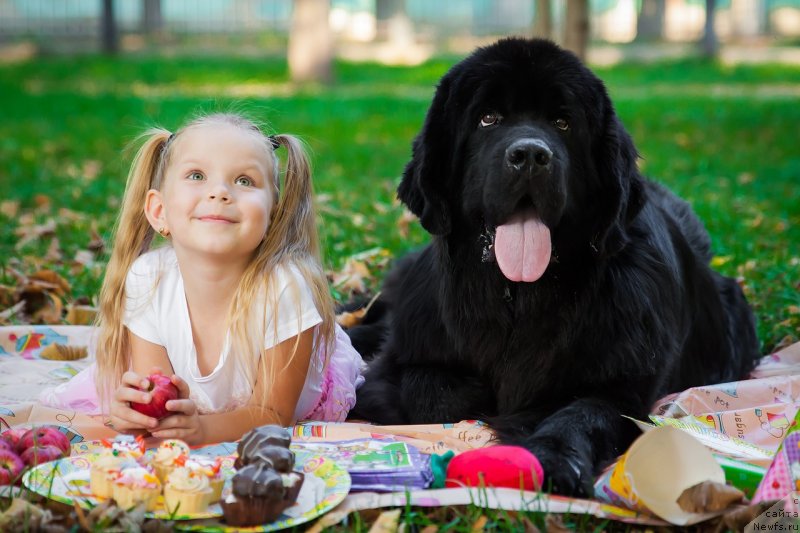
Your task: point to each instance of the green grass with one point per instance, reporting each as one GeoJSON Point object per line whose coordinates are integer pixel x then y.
{"type": "Point", "coordinates": [723, 137]}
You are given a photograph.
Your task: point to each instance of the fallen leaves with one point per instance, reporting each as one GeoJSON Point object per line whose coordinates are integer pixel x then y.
{"type": "Point", "coordinates": [39, 298]}
{"type": "Point", "coordinates": [357, 275]}
{"type": "Point", "coordinates": [349, 319]}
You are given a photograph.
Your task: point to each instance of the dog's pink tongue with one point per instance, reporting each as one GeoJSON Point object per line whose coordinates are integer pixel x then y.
{"type": "Point", "coordinates": [522, 247]}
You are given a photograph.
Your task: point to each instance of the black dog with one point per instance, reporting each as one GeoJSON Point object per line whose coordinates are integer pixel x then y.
{"type": "Point", "coordinates": [561, 289]}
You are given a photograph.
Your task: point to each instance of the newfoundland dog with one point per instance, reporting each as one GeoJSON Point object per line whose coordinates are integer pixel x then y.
{"type": "Point", "coordinates": [561, 289]}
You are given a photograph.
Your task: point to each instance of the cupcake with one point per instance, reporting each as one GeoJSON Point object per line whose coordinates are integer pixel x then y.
{"type": "Point", "coordinates": [212, 469]}
{"type": "Point", "coordinates": [260, 437]}
{"type": "Point", "coordinates": [106, 467]}
{"type": "Point", "coordinates": [135, 485]}
{"type": "Point", "coordinates": [171, 454]}
{"type": "Point", "coordinates": [186, 491]}
{"type": "Point", "coordinates": [259, 496]}
{"type": "Point", "coordinates": [281, 459]}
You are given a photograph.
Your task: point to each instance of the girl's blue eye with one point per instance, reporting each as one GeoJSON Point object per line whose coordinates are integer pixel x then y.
{"type": "Point", "coordinates": [196, 176]}
{"type": "Point", "coordinates": [244, 180]}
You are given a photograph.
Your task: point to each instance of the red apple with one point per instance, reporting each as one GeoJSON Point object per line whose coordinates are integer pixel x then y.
{"type": "Point", "coordinates": [13, 435]}
{"type": "Point", "coordinates": [161, 391]}
{"type": "Point", "coordinates": [11, 467]}
{"type": "Point", "coordinates": [44, 436]}
{"type": "Point", "coordinates": [4, 445]}
{"type": "Point", "coordinates": [41, 454]}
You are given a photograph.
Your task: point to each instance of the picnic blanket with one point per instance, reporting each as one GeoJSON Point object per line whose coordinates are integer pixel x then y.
{"type": "Point", "coordinates": [749, 417]}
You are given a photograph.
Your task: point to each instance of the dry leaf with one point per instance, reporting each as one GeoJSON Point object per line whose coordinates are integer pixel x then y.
{"type": "Point", "coordinates": [348, 319]}
{"type": "Point", "coordinates": [84, 257]}
{"type": "Point", "coordinates": [554, 523]}
{"type": "Point", "coordinates": [43, 307]}
{"type": "Point", "coordinates": [429, 529]}
{"type": "Point", "coordinates": [53, 253]}
{"type": "Point", "coordinates": [80, 315]}
{"type": "Point", "coordinates": [709, 497]}
{"type": "Point", "coordinates": [7, 296]}
{"type": "Point", "coordinates": [97, 244]}
{"type": "Point", "coordinates": [42, 202]}
{"type": "Point", "coordinates": [11, 311]}
{"type": "Point", "coordinates": [405, 220]}
{"type": "Point", "coordinates": [351, 277]}
{"type": "Point", "coordinates": [9, 208]}
{"type": "Point", "coordinates": [23, 515]}
{"type": "Point", "coordinates": [61, 352]}
{"type": "Point", "coordinates": [49, 281]}
{"type": "Point", "coordinates": [28, 232]}
{"type": "Point", "coordinates": [387, 522]}
{"type": "Point", "coordinates": [479, 524]}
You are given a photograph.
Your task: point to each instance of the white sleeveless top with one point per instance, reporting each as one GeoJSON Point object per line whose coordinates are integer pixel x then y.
{"type": "Point", "coordinates": [156, 310]}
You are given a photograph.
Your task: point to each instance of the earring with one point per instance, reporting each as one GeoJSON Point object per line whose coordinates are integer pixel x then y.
{"type": "Point", "coordinates": [163, 231]}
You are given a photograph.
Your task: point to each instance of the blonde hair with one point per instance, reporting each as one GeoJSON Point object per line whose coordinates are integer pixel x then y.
{"type": "Point", "coordinates": [291, 242]}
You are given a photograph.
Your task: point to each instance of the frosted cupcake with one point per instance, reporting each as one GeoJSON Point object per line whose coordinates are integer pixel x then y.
{"type": "Point", "coordinates": [171, 454]}
{"type": "Point", "coordinates": [258, 497]}
{"type": "Point", "coordinates": [212, 469]}
{"type": "Point", "coordinates": [106, 467]}
{"type": "Point", "coordinates": [187, 491]}
{"type": "Point", "coordinates": [256, 439]}
{"type": "Point", "coordinates": [137, 485]}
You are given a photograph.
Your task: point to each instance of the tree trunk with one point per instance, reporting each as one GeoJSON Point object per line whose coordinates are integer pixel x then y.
{"type": "Point", "coordinates": [310, 52]}
{"type": "Point", "coordinates": [650, 23]}
{"type": "Point", "coordinates": [543, 20]}
{"type": "Point", "coordinates": [394, 25]}
{"type": "Point", "coordinates": [151, 19]}
{"type": "Point", "coordinates": [576, 29]}
{"type": "Point", "coordinates": [710, 45]}
{"type": "Point", "coordinates": [109, 37]}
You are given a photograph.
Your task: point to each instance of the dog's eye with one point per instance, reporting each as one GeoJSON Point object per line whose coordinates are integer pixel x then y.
{"type": "Point", "coordinates": [561, 124]}
{"type": "Point", "coordinates": [490, 119]}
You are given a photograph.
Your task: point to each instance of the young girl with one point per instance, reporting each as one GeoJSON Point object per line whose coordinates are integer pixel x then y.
{"type": "Point", "coordinates": [235, 306]}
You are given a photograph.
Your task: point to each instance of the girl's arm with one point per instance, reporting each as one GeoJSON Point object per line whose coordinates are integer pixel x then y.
{"type": "Point", "coordinates": [281, 400]}
{"type": "Point", "coordinates": [146, 358]}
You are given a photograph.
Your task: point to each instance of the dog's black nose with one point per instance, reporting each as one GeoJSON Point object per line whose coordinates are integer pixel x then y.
{"type": "Point", "coordinates": [528, 154]}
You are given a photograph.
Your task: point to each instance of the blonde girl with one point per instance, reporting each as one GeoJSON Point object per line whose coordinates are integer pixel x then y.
{"type": "Point", "coordinates": [233, 304]}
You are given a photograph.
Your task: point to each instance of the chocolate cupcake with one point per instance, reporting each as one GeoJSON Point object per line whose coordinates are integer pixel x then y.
{"type": "Point", "coordinates": [260, 494]}
{"type": "Point", "coordinates": [255, 439]}
{"type": "Point", "coordinates": [281, 459]}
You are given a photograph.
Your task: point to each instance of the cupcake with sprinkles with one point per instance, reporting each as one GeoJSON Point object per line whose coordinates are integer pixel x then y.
{"type": "Point", "coordinates": [136, 485]}
{"type": "Point", "coordinates": [118, 454]}
{"type": "Point", "coordinates": [211, 467]}
{"type": "Point", "coordinates": [170, 454]}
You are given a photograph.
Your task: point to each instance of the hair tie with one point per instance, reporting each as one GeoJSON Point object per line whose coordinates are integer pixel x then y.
{"type": "Point", "coordinates": [274, 142]}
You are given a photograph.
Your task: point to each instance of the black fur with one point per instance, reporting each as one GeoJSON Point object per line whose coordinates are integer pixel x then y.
{"type": "Point", "coordinates": [627, 311]}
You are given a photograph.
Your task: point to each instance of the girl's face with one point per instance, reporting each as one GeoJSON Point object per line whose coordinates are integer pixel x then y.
{"type": "Point", "coordinates": [218, 192]}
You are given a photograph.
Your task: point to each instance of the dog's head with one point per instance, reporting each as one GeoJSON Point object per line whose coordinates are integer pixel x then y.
{"type": "Point", "coordinates": [522, 139]}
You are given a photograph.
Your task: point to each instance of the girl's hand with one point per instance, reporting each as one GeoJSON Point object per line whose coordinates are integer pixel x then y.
{"type": "Point", "coordinates": [121, 417]}
{"type": "Point", "coordinates": [185, 424]}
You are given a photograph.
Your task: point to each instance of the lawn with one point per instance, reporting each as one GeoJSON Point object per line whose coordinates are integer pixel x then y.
{"type": "Point", "coordinates": [724, 138]}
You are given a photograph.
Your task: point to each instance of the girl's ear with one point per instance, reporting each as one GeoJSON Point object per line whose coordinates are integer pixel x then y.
{"type": "Point", "coordinates": [154, 211]}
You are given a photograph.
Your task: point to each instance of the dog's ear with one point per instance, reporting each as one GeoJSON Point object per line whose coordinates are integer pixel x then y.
{"type": "Point", "coordinates": [621, 189]}
{"type": "Point", "coordinates": [426, 174]}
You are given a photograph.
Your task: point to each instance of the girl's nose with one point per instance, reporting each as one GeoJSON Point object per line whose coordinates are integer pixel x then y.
{"type": "Point", "coordinates": [219, 192]}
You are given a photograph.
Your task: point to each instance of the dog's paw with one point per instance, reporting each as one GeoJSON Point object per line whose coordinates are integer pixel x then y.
{"type": "Point", "coordinates": [565, 473]}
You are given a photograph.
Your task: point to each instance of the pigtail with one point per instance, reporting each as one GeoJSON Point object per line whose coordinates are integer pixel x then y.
{"type": "Point", "coordinates": [132, 236]}
{"type": "Point", "coordinates": [291, 241]}
{"type": "Point", "coordinates": [295, 222]}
